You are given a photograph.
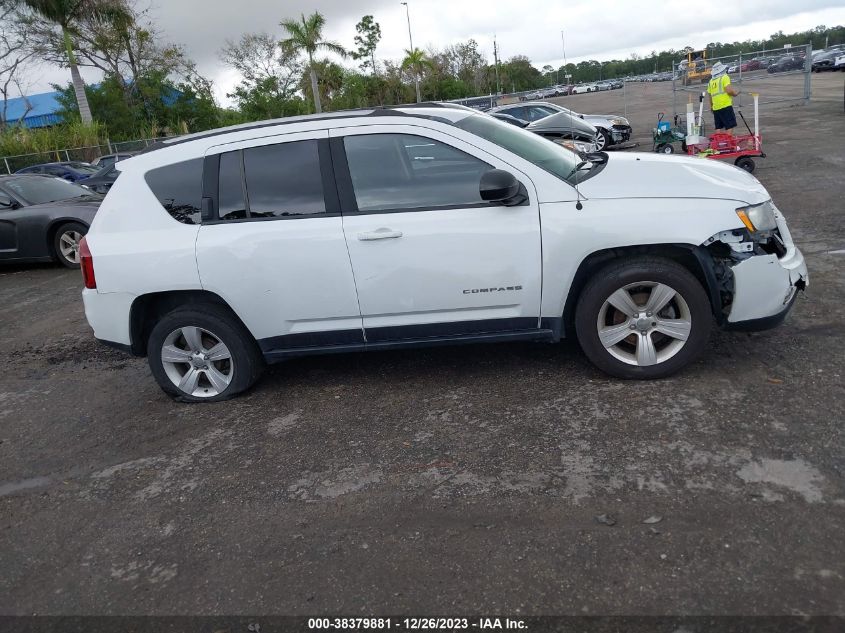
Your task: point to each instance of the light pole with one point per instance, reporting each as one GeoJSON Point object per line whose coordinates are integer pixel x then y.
{"type": "Point", "coordinates": [563, 46]}
{"type": "Point", "coordinates": [411, 42]}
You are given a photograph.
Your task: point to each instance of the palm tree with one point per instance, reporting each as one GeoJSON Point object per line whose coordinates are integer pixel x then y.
{"type": "Point", "coordinates": [307, 36]}
{"type": "Point", "coordinates": [66, 14]}
{"type": "Point", "coordinates": [417, 61]}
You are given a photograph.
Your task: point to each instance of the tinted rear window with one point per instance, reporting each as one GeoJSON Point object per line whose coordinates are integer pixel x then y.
{"type": "Point", "coordinates": [178, 188]}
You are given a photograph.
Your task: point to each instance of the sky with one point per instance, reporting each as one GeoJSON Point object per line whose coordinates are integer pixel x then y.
{"type": "Point", "coordinates": [593, 29]}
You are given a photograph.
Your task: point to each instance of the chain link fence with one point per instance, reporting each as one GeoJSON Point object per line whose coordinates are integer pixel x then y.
{"type": "Point", "coordinates": [777, 75]}
{"type": "Point", "coordinates": [85, 154]}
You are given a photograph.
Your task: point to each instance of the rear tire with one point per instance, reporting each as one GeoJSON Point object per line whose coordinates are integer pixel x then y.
{"type": "Point", "coordinates": [202, 353]}
{"type": "Point", "coordinates": [663, 325]}
{"type": "Point", "coordinates": [66, 243]}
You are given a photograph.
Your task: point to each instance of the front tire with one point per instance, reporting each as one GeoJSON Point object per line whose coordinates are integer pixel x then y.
{"type": "Point", "coordinates": [66, 243]}
{"type": "Point", "coordinates": [602, 139]}
{"type": "Point", "coordinates": [643, 318]}
{"type": "Point", "coordinates": [203, 354]}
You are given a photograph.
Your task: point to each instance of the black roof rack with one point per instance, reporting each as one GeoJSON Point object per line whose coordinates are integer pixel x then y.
{"type": "Point", "coordinates": [338, 114]}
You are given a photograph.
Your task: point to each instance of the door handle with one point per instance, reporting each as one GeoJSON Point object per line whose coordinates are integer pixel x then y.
{"type": "Point", "coordinates": [379, 234]}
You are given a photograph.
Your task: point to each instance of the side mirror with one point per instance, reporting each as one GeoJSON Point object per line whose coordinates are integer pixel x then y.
{"type": "Point", "coordinates": [502, 186]}
{"type": "Point", "coordinates": [6, 202]}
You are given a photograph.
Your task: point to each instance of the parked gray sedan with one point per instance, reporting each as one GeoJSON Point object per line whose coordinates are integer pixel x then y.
{"type": "Point", "coordinates": [612, 128]}
{"type": "Point", "coordinates": [43, 218]}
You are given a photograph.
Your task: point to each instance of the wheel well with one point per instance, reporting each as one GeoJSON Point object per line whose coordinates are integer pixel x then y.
{"type": "Point", "coordinates": [149, 308]}
{"type": "Point", "coordinates": [695, 259]}
{"type": "Point", "coordinates": [54, 227]}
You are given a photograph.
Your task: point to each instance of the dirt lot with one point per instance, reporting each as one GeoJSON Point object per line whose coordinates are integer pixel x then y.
{"type": "Point", "coordinates": [446, 480]}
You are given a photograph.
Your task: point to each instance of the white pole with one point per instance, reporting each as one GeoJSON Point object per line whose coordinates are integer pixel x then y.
{"type": "Point", "coordinates": [756, 119]}
{"type": "Point", "coordinates": [700, 111]}
{"type": "Point", "coordinates": [690, 119]}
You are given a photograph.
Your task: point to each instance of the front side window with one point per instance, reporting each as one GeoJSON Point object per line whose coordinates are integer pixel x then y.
{"type": "Point", "coordinates": [39, 190]}
{"type": "Point", "coordinates": [178, 188]}
{"type": "Point", "coordinates": [402, 171]}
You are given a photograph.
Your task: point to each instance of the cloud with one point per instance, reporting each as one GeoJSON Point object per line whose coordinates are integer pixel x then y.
{"type": "Point", "coordinates": [600, 29]}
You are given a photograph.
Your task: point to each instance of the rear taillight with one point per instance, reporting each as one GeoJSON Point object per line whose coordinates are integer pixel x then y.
{"type": "Point", "coordinates": [86, 263]}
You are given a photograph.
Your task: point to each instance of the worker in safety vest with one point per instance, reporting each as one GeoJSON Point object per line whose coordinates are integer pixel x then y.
{"type": "Point", "coordinates": [720, 92]}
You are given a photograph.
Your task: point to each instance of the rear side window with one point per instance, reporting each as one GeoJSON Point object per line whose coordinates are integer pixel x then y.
{"type": "Point", "coordinates": [271, 181]}
{"type": "Point", "coordinates": [178, 188]}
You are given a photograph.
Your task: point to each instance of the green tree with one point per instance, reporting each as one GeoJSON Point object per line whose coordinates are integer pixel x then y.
{"type": "Point", "coordinates": [168, 107]}
{"type": "Point", "coordinates": [464, 62]}
{"type": "Point", "coordinates": [518, 74]}
{"type": "Point", "coordinates": [369, 35]}
{"type": "Point", "coordinates": [416, 61]}
{"type": "Point", "coordinates": [66, 14]}
{"type": "Point", "coordinates": [306, 36]}
{"type": "Point", "coordinates": [270, 77]}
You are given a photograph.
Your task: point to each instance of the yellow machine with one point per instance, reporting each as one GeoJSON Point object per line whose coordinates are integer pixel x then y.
{"type": "Point", "coordinates": [695, 68]}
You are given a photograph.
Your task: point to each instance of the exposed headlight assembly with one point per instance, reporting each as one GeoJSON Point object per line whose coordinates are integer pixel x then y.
{"type": "Point", "coordinates": [758, 217]}
{"type": "Point", "coordinates": [619, 121]}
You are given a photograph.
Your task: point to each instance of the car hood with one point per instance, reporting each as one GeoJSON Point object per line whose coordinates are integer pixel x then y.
{"type": "Point", "coordinates": [642, 175]}
{"type": "Point", "coordinates": [563, 122]}
{"type": "Point", "coordinates": [600, 119]}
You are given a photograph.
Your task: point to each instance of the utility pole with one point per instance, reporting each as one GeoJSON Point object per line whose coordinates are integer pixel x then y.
{"type": "Point", "coordinates": [411, 41]}
{"type": "Point", "coordinates": [563, 46]}
{"type": "Point", "coordinates": [496, 62]}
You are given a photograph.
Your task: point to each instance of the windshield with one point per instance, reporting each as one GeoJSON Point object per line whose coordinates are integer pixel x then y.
{"type": "Point", "coordinates": [41, 189]}
{"type": "Point", "coordinates": [551, 157]}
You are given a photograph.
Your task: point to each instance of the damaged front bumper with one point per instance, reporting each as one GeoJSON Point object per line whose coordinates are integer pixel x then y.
{"type": "Point", "coordinates": [765, 288]}
{"type": "Point", "coordinates": [759, 276]}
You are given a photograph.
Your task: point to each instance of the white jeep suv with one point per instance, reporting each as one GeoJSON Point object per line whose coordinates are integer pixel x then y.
{"type": "Point", "coordinates": [374, 229]}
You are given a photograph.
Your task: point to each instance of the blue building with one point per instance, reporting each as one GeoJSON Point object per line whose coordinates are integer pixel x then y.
{"type": "Point", "coordinates": [43, 110]}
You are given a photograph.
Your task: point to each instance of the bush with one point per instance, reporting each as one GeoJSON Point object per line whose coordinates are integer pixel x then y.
{"type": "Point", "coordinates": [44, 143]}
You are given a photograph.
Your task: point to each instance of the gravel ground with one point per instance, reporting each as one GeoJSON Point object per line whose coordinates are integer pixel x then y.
{"type": "Point", "coordinates": [453, 480]}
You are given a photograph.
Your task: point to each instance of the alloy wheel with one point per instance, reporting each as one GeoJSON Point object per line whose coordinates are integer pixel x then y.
{"type": "Point", "coordinates": [601, 140]}
{"type": "Point", "coordinates": [644, 323]}
{"type": "Point", "coordinates": [197, 362]}
{"type": "Point", "coordinates": [69, 245]}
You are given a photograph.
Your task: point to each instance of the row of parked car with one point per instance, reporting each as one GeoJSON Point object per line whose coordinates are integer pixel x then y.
{"type": "Point", "coordinates": [46, 209]}
{"type": "Point", "coordinates": [650, 77]}
{"type": "Point", "coordinates": [832, 58]}
{"type": "Point", "coordinates": [97, 175]}
{"type": "Point", "coordinates": [572, 89]}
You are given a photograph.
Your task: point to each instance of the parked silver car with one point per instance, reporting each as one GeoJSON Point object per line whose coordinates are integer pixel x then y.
{"type": "Point", "coordinates": [612, 129]}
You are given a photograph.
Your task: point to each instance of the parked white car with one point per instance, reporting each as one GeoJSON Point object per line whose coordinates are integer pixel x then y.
{"type": "Point", "coordinates": [415, 226]}
{"type": "Point", "coordinates": [581, 89]}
